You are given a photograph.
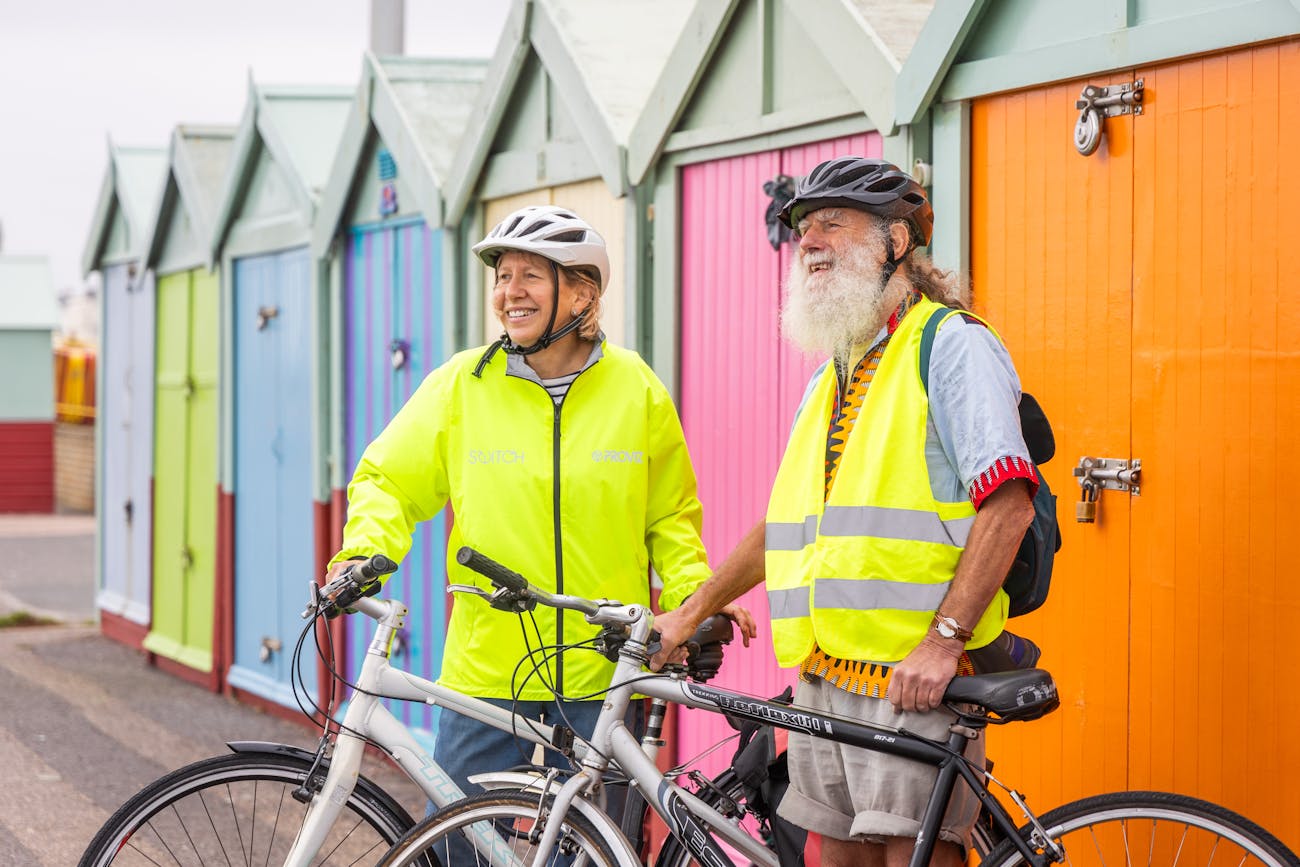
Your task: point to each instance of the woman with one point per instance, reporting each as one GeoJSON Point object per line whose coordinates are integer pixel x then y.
{"type": "Point", "coordinates": [562, 457]}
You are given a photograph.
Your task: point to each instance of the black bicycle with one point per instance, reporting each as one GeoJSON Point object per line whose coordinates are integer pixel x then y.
{"type": "Point", "coordinates": [549, 819]}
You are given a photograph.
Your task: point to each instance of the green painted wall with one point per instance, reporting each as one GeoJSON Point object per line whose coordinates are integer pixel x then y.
{"type": "Point", "coordinates": [185, 468]}
{"type": "Point", "coordinates": [26, 375]}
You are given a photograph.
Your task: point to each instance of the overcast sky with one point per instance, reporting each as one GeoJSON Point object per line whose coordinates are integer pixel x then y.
{"type": "Point", "coordinates": [73, 72]}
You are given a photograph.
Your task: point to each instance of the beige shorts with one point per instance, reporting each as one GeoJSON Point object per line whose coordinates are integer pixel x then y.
{"type": "Point", "coordinates": [851, 793]}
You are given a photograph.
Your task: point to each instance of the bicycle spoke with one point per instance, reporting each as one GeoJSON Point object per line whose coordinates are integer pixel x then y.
{"type": "Point", "coordinates": [215, 833]}
{"type": "Point", "coordinates": [1097, 843]}
{"type": "Point", "coordinates": [1182, 841]}
{"type": "Point", "coordinates": [145, 855]}
{"type": "Point", "coordinates": [234, 817]}
{"type": "Point", "coordinates": [275, 826]}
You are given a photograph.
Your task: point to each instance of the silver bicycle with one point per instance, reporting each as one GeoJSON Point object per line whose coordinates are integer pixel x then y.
{"type": "Point", "coordinates": [545, 820]}
{"type": "Point", "coordinates": [269, 803]}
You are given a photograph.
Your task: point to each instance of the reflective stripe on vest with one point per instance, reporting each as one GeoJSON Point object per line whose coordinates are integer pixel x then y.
{"type": "Point", "coordinates": [859, 574]}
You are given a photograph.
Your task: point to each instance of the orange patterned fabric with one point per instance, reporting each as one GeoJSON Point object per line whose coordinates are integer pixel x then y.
{"type": "Point", "coordinates": [863, 678]}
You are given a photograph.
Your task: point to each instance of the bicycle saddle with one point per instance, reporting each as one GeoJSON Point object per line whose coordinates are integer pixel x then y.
{"type": "Point", "coordinates": [1009, 696]}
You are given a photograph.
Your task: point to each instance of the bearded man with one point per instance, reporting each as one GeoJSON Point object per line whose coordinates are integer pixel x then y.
{"type": "Point", "coordinates": [895, 515]}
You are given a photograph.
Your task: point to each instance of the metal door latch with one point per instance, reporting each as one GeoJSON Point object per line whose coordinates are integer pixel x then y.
{"type": "Point", "coordinates": [265, 315]}
{"type": "Point", "coordinates": [1097, 103]}
{"type": "Point", "coordinates": [1104, 474]}
{"type": "Point", "coordinates": [269, 646]}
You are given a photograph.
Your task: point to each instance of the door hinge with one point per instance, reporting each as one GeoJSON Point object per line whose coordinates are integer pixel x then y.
{"type": "Point", "coordinates": [1096, 103]}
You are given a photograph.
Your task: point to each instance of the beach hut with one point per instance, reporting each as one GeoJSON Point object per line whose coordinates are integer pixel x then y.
{"type": "Point", "coordinates": [186, 340]}
{"type": "Point", "coordinates": [380, 224]}
{"type": "Point", "coordinates": [272, 383]}
{"type": "Point", "coordinates": [754, 95]}
{"type": "Point", "coordinates": [124, 433]}
{"type": "Point", "coordinates": [1116, 179]}
{"type": "Point", "coordinates": [27, 321]}
{"type": "Point", "coordinates": [568, 82]}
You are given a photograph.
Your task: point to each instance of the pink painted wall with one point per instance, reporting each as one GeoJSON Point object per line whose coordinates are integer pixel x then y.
{"type": "Point", "coordinates": [740, 382]}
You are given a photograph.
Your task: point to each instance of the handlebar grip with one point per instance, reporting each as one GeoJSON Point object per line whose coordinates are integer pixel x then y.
{"type": "Point", "coordinates": [491, 569]}
{"type": "Point", "coordinates": [376, 567]}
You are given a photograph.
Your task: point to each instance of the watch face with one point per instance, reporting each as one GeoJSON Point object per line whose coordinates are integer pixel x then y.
{"type": "Point", "coordinates": [945, 630]}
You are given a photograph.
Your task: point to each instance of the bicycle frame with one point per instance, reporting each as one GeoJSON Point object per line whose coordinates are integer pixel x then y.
{"type": "Point", "coordinates": [694, 821]}
{"type": "Point", "coordinates": [366, 718]}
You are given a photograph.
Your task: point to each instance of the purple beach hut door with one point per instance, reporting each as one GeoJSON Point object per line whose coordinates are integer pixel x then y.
{"type": "Point", "coordinates": [394, 321]}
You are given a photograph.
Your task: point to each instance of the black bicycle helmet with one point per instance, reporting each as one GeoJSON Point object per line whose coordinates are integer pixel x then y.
{"type": "Point", "coordinates": [875, 186]}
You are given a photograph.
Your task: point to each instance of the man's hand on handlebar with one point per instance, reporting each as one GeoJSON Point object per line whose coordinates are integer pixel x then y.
{"type": "Point", "coordinates": [677, 626]}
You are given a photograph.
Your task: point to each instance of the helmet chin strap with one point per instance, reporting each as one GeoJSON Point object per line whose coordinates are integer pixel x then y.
{"type": "Point", "coordinates": [548, 338]}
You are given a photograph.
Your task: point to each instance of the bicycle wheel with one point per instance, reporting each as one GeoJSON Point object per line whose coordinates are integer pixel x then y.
{"type": "Point", "coordinates": [726, 794]}
{"type": "Point", "coordinates": [1152, 828]}
{"type": "Point", "coordinates": [513, 814]}
{"type": "Point", "coordinates": [238, 809]}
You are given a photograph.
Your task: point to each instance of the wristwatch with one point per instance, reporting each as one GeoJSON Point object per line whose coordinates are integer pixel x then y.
{"type": "Point", "coordinates": [949, 628]}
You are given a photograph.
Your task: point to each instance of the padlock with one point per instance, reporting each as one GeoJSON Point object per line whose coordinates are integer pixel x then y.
{"type": "Point", "coordinates": [1085, 511]}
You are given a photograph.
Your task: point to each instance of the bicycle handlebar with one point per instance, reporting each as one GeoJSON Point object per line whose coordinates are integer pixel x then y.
{"type": "Point", "coordinates": [491, 570]}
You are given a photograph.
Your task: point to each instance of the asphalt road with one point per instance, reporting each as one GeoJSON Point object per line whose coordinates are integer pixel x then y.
{"type": "Point", "coordinates": [86, 722]}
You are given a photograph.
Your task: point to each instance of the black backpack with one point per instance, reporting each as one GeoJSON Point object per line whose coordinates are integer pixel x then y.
{"type": "Point", "coordinates": [1031, 574]}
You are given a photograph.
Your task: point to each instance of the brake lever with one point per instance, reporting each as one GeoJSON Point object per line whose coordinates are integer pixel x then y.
{"type": "Point", "coordinates": [469, 588]}
{"type": "Point", "coordinates": [504, 599]}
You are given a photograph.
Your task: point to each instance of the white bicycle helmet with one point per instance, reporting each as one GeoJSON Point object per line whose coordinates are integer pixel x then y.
{"type": "Point", "coordinates": [557, 235]}
{"type": "Point", "coordinates": [552, 232]}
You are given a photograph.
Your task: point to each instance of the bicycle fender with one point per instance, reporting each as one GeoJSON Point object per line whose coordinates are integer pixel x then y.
{"type": "Point", "coordinates": [607, 827]}
{"type": "Point", "coordinates": [307, 757]}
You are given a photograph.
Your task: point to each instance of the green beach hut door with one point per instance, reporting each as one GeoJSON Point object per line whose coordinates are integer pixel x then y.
{"type": "Point", "coordinates": [185, 469]}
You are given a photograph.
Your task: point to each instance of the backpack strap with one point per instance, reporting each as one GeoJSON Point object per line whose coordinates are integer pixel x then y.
{"type": "Point", "coordinates": [927, 341]}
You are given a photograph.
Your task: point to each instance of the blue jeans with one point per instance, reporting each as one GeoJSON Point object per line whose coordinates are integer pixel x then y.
{"type": "Point", "coordinates": [464, 746]}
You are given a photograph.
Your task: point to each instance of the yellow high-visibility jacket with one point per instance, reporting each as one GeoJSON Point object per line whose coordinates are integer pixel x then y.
{"type": "Point", "coordinates": [861, 573]}
{"type": "Point", "coordinates": [581, 498]}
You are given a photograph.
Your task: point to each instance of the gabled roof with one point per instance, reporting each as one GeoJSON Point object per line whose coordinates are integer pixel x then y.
{"type": "Point", "coordinates": [130, 186]}
{"type": "Point", "coordinates": [866, 42]}
{"type": "Point", "coordinates": [27, 294]}
{"type": "Point", "coordinates": [938, 45]}
{"type": "Point", "coordinates": [300, 127]}
{"type": "Point", "coordinates": [420, 108]}
{"type": "Point", "coordinates": [604, 58]}
{"type": "Point", "coordinates": [197, 161]}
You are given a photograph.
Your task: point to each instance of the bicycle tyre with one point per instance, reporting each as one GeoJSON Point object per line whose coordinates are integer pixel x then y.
{"type": "Point", "coordinates": [725, 786]}
{"type": "Point", "coordinates": [237, 808]}
{"type": "Point", "coordinates": [1152, 828]}
{"type": "Point", "coordinates": [422, 844]}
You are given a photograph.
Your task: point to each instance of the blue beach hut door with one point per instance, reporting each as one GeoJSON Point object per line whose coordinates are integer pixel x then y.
{"type": "Point", "coordinates": [272, 468]}
{"type": "Point", "coordinates": [393, 310]}
{"type": "Point", "coordinates": [127, 417]}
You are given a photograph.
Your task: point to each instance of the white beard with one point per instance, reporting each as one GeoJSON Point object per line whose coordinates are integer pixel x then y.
{"type": "Point", "coordinates": [847, 307]}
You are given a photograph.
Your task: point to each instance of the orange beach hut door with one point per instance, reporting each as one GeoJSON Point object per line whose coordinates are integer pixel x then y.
{"type": "Point", "coordinates": [1141, 290]}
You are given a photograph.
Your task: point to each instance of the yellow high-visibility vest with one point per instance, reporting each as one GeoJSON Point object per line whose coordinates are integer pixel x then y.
{"type": "Point", "coordinates": [861, 573]}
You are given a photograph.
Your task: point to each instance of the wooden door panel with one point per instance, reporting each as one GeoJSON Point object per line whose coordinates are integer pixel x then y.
{"type": "Point", "coordinates": [1215, 378]}
{"type": "Point", "coordinates": [1050, 255]}
{"type": "Point", "coordinates": [170, 573]}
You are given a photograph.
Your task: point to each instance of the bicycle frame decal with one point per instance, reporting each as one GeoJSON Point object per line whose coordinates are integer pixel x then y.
{"type": "Point", "coordinates": [700, 843]}
{"type": "Point", "coordinates": [762, 711]}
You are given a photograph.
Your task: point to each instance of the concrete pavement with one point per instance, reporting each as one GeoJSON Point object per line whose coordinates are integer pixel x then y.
{"type": "Point", "coordinates": [86, 722]}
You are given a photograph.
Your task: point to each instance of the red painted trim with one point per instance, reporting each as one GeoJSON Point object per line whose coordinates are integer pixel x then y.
{"type": "Point", "coordinates": [117, 628]}
{"type": "Point", "coordinates": [223, 628]}
{"type": "Point", "coordinates": [270, 708]}
{"type": "Point", "coordinates": [322, 529]}
{"type": "Point", "coordinates": [338, 629]}
{"type": "Point", "coordinates": [208, 680]}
